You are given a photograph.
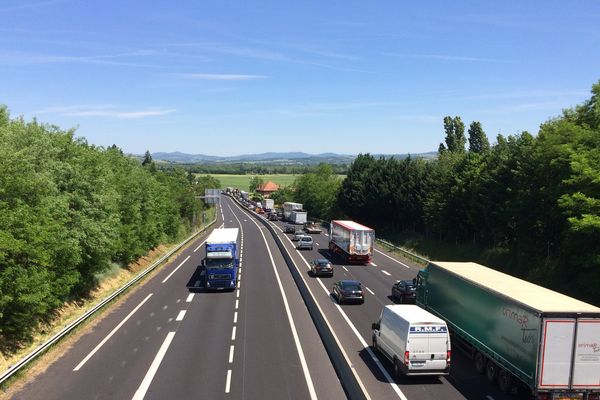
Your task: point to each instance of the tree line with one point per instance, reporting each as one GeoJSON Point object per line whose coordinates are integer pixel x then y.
{"type": "Point", "coordinates": [530, 203]}
{"type": "Point", "coordinates": [252, 168]}
{"type": "Point", "coordinates": [68, 212]}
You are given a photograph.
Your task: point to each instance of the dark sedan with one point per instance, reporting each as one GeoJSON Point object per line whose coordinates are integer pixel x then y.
{"type": "Point", "coordinates": [321, 267]}
{"type": "Point", "coordinates": [404, 291]}
{"type": "Point", "coordinates": [348, 291]}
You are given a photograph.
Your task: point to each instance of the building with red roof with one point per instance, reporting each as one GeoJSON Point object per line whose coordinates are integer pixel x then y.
{"type": "Point", "coordinates": [267, 188]}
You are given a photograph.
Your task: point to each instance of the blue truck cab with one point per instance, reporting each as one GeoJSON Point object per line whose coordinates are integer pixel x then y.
{"type": "Point", "coordinates": [222, 259]}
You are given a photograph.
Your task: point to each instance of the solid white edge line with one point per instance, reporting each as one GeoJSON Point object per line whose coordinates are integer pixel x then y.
{"type": "Point", "coordinates": [337, 340]}
{"type": "Point", "coordinates": [110, 334]}
{"type": "Point", "coordinates": [175, 270]}
{"type": "Point", "coordinates": [180, 315]}
{"type": "Point", "coordinates": [189, 298]}
{"type": "Point", "coordinates": [391, 258]}
{"type": "Point", "coordinates": [307, 377]}
{"type": "Point", "coordinates": [389, 379]}
{"type": "Point", "coordinates": [233, 332]}
{"type": "Point", "coordinates": [228, 383]}
{"type": "Point", "coordinates": [196, 249]}
{"type": "Point", "coordinates": [141, 392]}
{"type": "Point", "coordinates": [231, 350]}
{"type": "Point", "coordinates": [385, 272]}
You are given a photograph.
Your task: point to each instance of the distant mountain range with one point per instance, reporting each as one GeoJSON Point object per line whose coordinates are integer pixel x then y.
{"type": "Point", "coordinates": [289, 158]}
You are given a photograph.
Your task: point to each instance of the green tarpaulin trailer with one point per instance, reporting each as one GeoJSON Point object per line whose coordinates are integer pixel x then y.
{"type": "Point", "coordinates": [516, 330]}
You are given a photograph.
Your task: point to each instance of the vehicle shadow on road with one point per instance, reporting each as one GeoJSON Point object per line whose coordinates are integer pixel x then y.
{"type": "Point", "coordinates": [402, 380]}
{"type": "Point", "coordinates": [196, 282]}
{"type": "Point", "coordinates": [333, 258]}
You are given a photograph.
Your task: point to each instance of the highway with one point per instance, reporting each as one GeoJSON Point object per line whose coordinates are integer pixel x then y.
{"type": "Point", "coordinates": [352, 326]}
{"type": "Point", "coordinates": [172, 339]}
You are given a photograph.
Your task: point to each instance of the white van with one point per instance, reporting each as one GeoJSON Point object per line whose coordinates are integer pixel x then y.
{"type": "Point", "coordinates": [414, 340]}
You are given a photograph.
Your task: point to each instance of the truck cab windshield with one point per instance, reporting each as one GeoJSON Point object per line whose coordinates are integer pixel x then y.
{"type": "Point", "coordinates": [219, 263]}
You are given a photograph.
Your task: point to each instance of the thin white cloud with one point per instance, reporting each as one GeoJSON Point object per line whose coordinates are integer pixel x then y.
{"type": "Point", "coordinates": [20, 58]}
{"type": "Point", "coordinates": [418, 118]}
{"type": "Point", "coordinates": [104, 110]}
{"type": "Point", "coordinates": [353, 105]}
{"type": "Point", "coordinates": [31, 5]}
{"type": "Point", "coordinates": [222, 48]}
{"type": "Point", "coordinates": [444, 57]}
{"type": "Point", "coordinates": [221, 77]}
{"type": "Point", "coordinates": [530, 94]}
{"type": "Point", "coordinates": [528, 107]}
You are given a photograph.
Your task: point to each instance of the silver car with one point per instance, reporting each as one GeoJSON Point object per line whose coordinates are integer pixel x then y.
{"type": "Point", "coordinates": [298, 235]}
{"type": "Point", "coordinates": [305, 242]}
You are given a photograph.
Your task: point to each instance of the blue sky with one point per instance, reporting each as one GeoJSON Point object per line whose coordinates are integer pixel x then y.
{"type": "Point", "coordinates": [228, 78]}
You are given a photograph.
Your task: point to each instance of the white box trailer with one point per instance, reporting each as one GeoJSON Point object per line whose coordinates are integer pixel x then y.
{"type": "Point", "coordinates": [298, 217]}
{"type": "Point", "coordinates": [414, 340]}
{"type": "Point", "coordinates": [288, 207]}
{"type": "Point", "coordinates": [269, 204]}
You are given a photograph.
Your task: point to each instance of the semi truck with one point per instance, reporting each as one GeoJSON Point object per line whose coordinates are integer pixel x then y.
{"type": "Point", "coordinates": [222, 259]}
{"type": "Point", "coordinates": [298, 217]}
{"type": "Point", "coordinates": [269, 204]}
{"type": "Point", "coordinates": [352, 241]}
{"type": "Point", "coordinates": [288, 207]}
{"type": "Point", "coordinates": [519, 334]}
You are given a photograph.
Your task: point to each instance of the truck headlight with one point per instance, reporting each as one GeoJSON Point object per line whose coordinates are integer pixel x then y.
{"type": "Point", "coordinates": [232, 283]}
{"type": "Point", "coordinates": [207, 284]}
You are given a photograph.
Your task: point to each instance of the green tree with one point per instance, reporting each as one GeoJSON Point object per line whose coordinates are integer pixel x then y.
{"type": "Point", "coordinates": [478, 141]}
{"type": "Point", "coordinates": [255, 182]}
{"type": "Point", "coordinates": [317, 191]}
{"type": "Point", "coordinates": [455, 135]}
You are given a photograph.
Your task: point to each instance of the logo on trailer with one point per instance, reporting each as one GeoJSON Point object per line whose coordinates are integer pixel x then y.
{"type": "Point", "coordinates": [520, 319]}
{"type": "Point", "coordinates": [428, 329]}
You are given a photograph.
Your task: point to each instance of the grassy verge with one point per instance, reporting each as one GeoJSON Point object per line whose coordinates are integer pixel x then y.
{"type": "Point", "coordinates": [109, 281]}
{"type": "Point", "coordinates": [242, 182]}
{"type": "Point", "coordinates": [433, 249]}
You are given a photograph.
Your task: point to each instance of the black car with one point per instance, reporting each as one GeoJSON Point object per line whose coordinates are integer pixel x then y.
{"type": "Point", "coordinates": [289, 228]}
{"type": "Point", "coordinates": [272, 216]}
{"type": "Point", "coordinates": [348, 291]}
{"type": "Point", "coordinates": [404, 291]}
{"type": "Point", "coordinates": [321, 267]}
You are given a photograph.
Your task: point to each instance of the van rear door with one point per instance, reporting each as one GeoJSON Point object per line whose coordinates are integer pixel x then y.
{"type": "Point", "coordinates": [428, 348]}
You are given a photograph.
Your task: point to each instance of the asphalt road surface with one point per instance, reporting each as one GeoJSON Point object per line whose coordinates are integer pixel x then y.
{"type": "Point", "coordinates": [172, 339]}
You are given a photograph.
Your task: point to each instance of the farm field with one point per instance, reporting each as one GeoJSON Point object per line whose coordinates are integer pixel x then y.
{"type": "Point", "coordinates": [242, 181]}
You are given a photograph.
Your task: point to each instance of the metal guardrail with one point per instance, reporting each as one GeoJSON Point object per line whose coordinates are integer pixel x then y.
{"type": "Point", "coordinates": [404, 252]}
{"type": "Point", "coordinates": [45, 346]}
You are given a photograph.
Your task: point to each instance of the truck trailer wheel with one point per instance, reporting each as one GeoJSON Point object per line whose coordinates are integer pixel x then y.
{"type": "Point", "coordinates": [479, 363]}
{"type": "Point", "coordinates": [491, 371]}
{"type": "Point", "coordinates": [504, 381]}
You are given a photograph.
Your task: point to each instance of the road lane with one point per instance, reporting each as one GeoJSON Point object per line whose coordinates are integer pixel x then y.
{"type": "Point", "coordinates": [463, 382]}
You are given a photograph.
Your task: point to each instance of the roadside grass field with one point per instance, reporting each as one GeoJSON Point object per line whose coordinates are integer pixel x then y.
{"type": "Point", "coordinates": [242, 182]}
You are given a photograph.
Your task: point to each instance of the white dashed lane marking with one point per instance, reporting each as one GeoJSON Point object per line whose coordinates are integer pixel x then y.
{"type": "Point", "coordinates": [370, 291]}
{"type": "Point", "coordinates": [228, 383]}
{"type": "Point", "coordinates": [231, 350]}
{"type": "Point", "coordinates": [180, 315]}
{"type": "Point", "coordinates": [175, 270]}
{"type": "Point", "coordinates": [385, 272]}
